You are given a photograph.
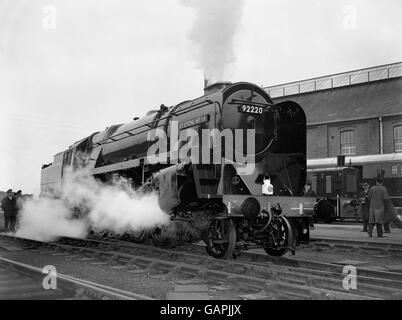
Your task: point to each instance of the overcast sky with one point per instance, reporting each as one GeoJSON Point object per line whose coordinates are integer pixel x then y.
{"type": "Point", "coordinates": [70, 68]}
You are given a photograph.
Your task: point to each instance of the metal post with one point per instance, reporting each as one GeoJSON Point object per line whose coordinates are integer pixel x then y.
{"type": "Point", "coordinates": [338, 202]}
{"type": "Point", "coordinates": [381, 135]}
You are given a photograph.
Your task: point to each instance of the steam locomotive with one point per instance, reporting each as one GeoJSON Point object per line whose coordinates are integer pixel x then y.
{"type": "Point", "coordinates": [216, 194]}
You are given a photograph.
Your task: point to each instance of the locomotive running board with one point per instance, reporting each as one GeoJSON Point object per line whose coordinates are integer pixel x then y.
{"type": "Point", "coordinates": [116, 167]}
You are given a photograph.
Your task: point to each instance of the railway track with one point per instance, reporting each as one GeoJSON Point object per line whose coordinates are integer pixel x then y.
{"type": "Point", "coordinates": [252, 275]}
{"type": "Point", "coordinates": [359, 246]}
{"type": "Point", "coordinates": [19, 281]}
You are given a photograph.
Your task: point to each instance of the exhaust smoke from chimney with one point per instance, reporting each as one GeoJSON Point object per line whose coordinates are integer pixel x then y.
{"type": "Point", "coordinates": [215, 26]}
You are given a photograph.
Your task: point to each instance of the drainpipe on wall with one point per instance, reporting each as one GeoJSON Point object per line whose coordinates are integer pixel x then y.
{"type": "Point", "coordinates": [381, 135]}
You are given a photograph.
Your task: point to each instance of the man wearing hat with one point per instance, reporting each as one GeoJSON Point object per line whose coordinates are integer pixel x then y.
{"type": "Point", "coordinates": [9, 206]}
{"type": "Point", "coordinates": [378, 197]}
{"type": "Point", "coordinates": [308, 191]}
{"type": "Point", "coordinates": [364, 206]}
{"type": "Point", "coordinates": [18, 199]}
{"type": "Point", "coordinates": [19, 202]}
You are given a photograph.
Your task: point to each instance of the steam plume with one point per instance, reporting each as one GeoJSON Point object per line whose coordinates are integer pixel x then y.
{"type": "Point", "coordinates": [101, 206]}
{"type": "Point", "coordinates": [216, 23]}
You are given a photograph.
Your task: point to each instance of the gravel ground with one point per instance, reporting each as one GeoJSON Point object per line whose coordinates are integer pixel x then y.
{"type": "Point", "coordinates": [158, 286]}
{"type": "Point", "coordinates": [103, 274]}
{"type": "Point", "coordinates": [153, 285]}
{"type": "Point", "coordinates": [378, 260]}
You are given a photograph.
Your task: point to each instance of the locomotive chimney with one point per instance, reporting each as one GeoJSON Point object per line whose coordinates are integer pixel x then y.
{"type": "Point", "coordinates": [215, 86]}
{"type": "Point", "coordinates": [205, 81]}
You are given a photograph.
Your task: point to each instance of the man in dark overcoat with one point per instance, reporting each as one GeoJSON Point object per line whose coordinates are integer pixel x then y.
{"type": "Point", "coordinates": [378, 197]}
{"type": "Point", "coordinates": [364, 206]}
{"type": "Point", "coordinates": [9, 206]}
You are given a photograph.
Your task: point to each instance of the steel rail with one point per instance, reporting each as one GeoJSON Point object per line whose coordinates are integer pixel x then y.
{"type": "Point", "coordinates": [391, 248]}
{"type": "Point", "coordinates": [254, 274]}
{"type": "Point", "coordinates": [70, 283]}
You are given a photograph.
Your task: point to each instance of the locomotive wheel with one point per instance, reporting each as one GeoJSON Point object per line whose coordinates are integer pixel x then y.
{"type": "Point", "coordinates": [114, 235]}
{"type": "Point", "coordinates": [281, 235]}
{"type": "Point", "coordinates": [276, 252]}
{"type": "Point", "coordinates": [136, 236]}
{"type": "Point", "coordinates": [100, 232]}
{"type": "Point", "coordinates": [161, 239]}
{"type": "Point", "coordinates": [221, 238]}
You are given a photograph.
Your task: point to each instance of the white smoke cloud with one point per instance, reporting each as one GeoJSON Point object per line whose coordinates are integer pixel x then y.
{"type": "Point", "coordinates": [215, 26]}
{"type": "Point", "coordinates": [46, 219]}
{"type": "Point", "coordinates": [102, 206]}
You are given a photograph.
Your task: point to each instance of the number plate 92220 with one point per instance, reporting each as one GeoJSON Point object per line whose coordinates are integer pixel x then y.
{"type": "Point", "coordinates": [250, 109]}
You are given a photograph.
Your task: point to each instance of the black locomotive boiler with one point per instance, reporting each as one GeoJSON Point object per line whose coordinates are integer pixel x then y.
{"type": "Point", "coordinates": [221, 203]}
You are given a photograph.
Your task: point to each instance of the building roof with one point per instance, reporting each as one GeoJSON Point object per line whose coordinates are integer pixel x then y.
{"type": "Point", "coordinates": [363, 100]}
{"type": "Point", "coordinates": [343, 79]}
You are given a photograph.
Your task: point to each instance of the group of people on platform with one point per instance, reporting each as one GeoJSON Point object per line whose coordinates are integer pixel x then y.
{"type": "Point", "coordinates": [11, 205]}
{"type": "Point", "coordinates": [376, 209]}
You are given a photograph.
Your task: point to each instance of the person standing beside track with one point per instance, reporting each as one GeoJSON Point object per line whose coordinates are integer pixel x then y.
{"type": "Point", "coordinates": [309, 192]}
{"type": "Point", "coordinates": [364, 207]}
{"type": "Point", "coordinates": [378, 196]}
{"type": "Point", "coordinates": [9, 206]}
{"type": "Point", "coordinates": [390, 216]}
{"type": "Point", "coordinates": [19, 202]}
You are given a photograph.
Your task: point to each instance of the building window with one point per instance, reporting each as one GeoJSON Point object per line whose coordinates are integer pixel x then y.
{"type": "Point", "coordinates": [348, 143]}
{"type": "Point", "coordinates": [398, 138]}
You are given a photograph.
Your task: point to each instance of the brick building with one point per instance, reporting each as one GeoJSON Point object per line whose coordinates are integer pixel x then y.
{"type": "Point", "coordinates": [353, 113]}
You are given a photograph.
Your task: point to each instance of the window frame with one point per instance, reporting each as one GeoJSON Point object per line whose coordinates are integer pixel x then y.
{"type": "Point", "coordinates": [397, 140]}
{"type": "Point", "coordinates": [350, 146]}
